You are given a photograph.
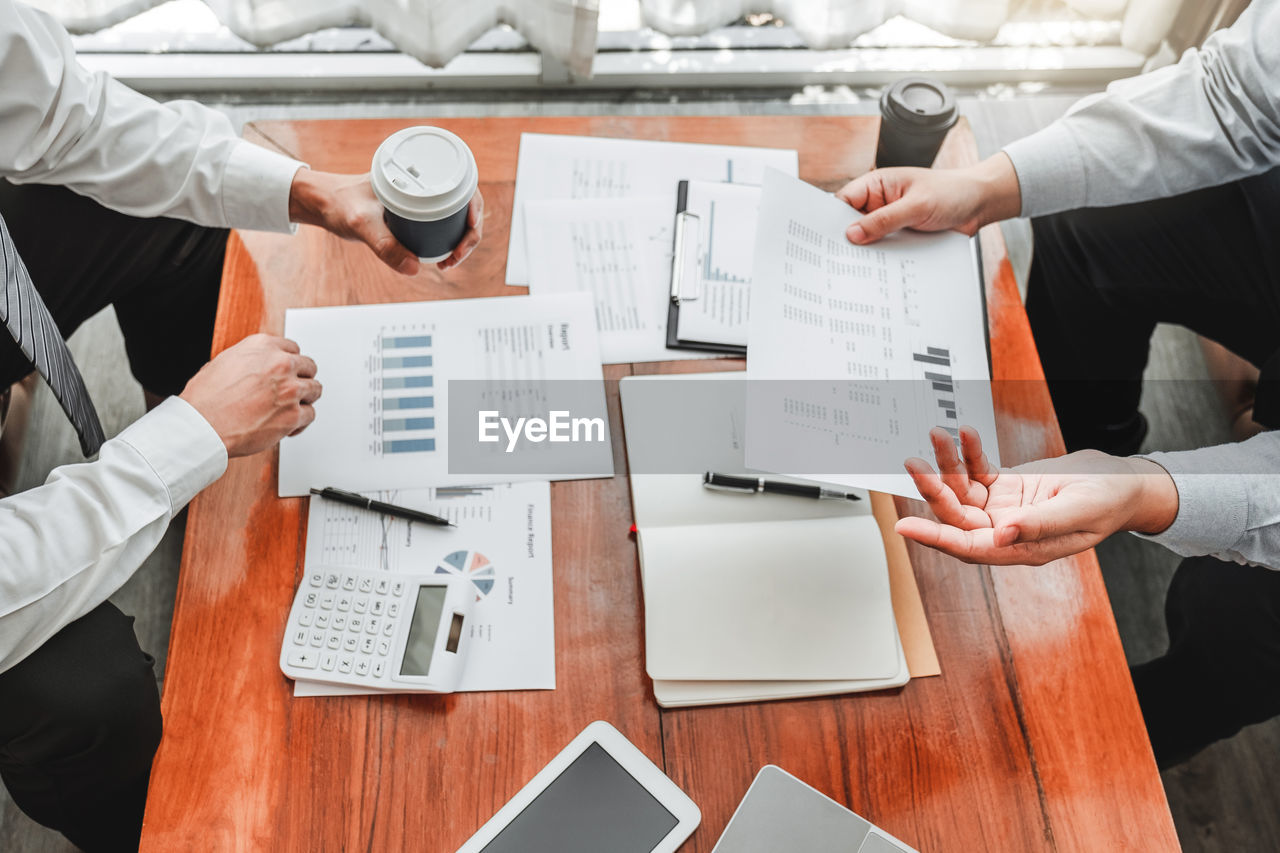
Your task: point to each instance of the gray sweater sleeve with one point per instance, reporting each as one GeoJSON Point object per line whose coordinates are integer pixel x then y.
{"type": "Point", "coordinates": [1228, 501]}
{"type": "Point", "coordinates": [1212, 118]}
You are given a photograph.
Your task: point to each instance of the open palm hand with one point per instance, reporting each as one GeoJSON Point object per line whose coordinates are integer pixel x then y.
{"type": "Point", "coordinates": [1033, 513]}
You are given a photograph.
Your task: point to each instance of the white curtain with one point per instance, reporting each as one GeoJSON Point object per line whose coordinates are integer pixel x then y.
{"type": "Point", "coordinates": [825, 24]}
{"type": "Point", "coordinates": [433, 31]}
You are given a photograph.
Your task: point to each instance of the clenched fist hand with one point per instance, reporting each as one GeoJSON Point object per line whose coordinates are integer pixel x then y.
{"type": "Point", "coordinates": [255, 393]}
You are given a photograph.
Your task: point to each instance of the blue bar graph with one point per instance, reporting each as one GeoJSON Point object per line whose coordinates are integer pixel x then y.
{"type": "Point", "coordinates": [404, 341]}
{"type": "Point", "coordinates": [391, 362]}
{"type": "Point", "coordinates": [390, 383]}
{"type": "Point", "coordinates": [409, 445]}
{"type": "Point", "coordinates": [389, 403]}
{"type": "Point", "coordinates": [402, 424]}
{"type": "Point", "coordinates": [406, 361]}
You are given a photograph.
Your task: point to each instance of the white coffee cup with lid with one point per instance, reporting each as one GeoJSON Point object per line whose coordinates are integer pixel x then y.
{"type": "Point", "coordinates": [425, 178]}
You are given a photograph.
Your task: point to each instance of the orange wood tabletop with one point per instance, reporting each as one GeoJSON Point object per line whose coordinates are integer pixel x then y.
{"type": "Point", "coordinates": [1031, 739]}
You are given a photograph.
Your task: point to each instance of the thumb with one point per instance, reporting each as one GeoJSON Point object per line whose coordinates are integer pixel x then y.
{"type": "Point", "coordinates": [880, 223]}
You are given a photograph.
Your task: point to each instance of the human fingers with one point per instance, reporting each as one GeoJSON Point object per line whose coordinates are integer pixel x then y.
{"type": "Point", "coordinates": [976, 463]}
{"type": "Point", "coordinates": [978, 546]}
{"type": "Point", "coordinates": [949, 464]}
{"type": "Point", "coordinates": [864, 193]}
{"type": "Point", "coordinates": [304, 366]}
{"type": "Point", "coordinates": [286, 345]}
{"type": "Point", "coordinates": [306, 416]}
{"type": "Point", "coordinates": [894, 216]}
{"type": "Point", "coordinates": [967, 545]}
{"type": "Point", "coordinates": [471, 239]}
{"type": "Point", "coordinates": [372, 230]}
{"type": "Point", "coordinates": [309, 391]}
{"type": "Point", "coordinates": [944, 503]}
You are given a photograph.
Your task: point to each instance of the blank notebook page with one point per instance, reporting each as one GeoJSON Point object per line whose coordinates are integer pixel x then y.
{"type": "Point", "coordinates": [766, 601]}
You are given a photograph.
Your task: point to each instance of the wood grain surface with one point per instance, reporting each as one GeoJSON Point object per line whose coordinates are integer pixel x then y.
{"type": "Point", "coordinates": [1030, 740]}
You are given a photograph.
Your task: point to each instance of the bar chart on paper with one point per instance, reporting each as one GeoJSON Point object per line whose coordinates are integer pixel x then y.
{"type": "Point", "coordinates": [897, 328]}
{"type": "Point", "coordinates": [938, 386]}
{"type": "Point", "coordinates": [723, 257]}
{"type": "Point", "coordinates": [402, 379]}
{"type": "Point", "coordinates": [383, 420]}
{"type": "Point", "coordinates": [721, 306]}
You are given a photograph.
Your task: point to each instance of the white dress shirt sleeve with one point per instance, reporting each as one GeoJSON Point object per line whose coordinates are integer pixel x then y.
{"type": "Point", "coordinates": [60, 124]}
{"type": "Point", "coordinates": [1212, 118]}
{"type": "Point", "coordinates": [69, 544]}
{"type": "Point", "coordinates": [1228, 501]}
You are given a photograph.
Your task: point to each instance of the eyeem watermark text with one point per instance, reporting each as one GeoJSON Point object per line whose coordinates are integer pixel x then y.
{"type": "Point", "coordinates": [557, 427]}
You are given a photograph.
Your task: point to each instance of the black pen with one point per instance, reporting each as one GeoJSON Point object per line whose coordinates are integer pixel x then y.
{"type": "Point", "coordinates": [378, 506]}
{"type": "Point", "coordinates": [752, 485]}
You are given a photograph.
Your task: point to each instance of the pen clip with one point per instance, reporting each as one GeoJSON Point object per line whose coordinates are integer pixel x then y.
{"type": "Point", "coordinates": [329, 491]}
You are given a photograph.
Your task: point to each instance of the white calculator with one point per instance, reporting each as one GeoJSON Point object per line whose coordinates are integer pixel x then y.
{"type": "Point", "coordinates": [379, 630]}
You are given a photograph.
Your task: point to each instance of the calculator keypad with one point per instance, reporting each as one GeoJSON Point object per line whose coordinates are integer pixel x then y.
{"type": "Point", "coordinates": [344, 623]}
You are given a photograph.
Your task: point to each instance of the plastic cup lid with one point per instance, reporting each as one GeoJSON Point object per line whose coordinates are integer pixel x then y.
{"type": "Point", "coordinates": [424, 173]}
{"type": "Point", "coordinates": [922, 102]}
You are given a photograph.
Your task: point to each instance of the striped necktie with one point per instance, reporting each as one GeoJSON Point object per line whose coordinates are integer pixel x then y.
{"type": "Point", "coordinates": [28, 320]}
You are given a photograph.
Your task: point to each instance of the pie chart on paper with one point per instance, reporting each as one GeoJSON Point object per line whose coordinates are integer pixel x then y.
{"type": "Point", "coordinates": [472, 565]}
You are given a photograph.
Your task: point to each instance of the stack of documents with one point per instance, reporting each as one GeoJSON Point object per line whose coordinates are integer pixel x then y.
{"type": "Point", "coordinates": [749, 597]}
{"type": "Point", "coordinates": [598, 215]}
{"type": "Point", "coordinates": [500, 541]}
{"type": "Point", "coordinates": [393, 377]}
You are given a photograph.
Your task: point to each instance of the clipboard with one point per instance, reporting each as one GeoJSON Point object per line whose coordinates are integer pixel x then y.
{"type": "Point", "coordinates": [686, 278]}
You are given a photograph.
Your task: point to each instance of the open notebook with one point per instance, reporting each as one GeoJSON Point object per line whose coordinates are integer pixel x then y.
{"type": "Point", "coordinates": [749, 598]}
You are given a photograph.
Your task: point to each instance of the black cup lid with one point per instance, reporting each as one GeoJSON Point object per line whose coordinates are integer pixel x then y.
{"type": "Point", "coordinates": [920, 102]}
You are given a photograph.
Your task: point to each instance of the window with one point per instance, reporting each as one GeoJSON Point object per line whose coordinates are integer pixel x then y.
{"type": "Point", "coordinates": [182, 46]}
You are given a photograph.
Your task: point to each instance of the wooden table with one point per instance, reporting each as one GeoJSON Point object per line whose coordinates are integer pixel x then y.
{"type": "Point", "coordinates": [1031, 739]}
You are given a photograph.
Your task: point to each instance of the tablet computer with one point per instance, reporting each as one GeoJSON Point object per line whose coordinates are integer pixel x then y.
{"type": "Point", "coordinates": [599, 793]}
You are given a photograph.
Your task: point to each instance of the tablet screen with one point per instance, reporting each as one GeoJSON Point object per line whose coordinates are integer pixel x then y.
{"type": "Point", "coordinates": [593, 805]}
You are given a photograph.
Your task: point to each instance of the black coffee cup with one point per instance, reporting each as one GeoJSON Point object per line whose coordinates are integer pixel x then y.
{"type": "Point", "coordinates": [425, 178]}
{"type": "Point", "coordinates": [915, 115]}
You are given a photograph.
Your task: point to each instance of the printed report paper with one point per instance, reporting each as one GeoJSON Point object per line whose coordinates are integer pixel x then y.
{"type": "Point", "coordinates": [502, 544]}
{"type": "Point", "coordinates": [898, 327]}
{"type": "Point", "coordinates": [618, 250]}
{"type": "Point", "coordinates": [552, 166]}
{"type": "Point", "coordinates": [383, 419]}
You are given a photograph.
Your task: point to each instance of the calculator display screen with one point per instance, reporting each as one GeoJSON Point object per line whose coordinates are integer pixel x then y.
{"type": "Point", "coordinates": [423, 630]}
{"type": "Point", "coordinates": [593, 805]}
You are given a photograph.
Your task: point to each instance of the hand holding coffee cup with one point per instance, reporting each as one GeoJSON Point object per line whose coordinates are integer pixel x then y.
{"type": "Point", "coordinates": [426, 180]}
{"type": "Point", "coordinates": [345, 206]}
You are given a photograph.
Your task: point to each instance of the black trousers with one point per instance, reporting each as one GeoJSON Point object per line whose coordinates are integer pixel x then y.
{"type": "Point", "coordinates": [80, 717]}
{"type": "Point", "coordinates": [1100, 281]}
{"type": "Point", "coordinates": [161, 275]}
{"type": "Point", "coordinates": [79, 725]}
